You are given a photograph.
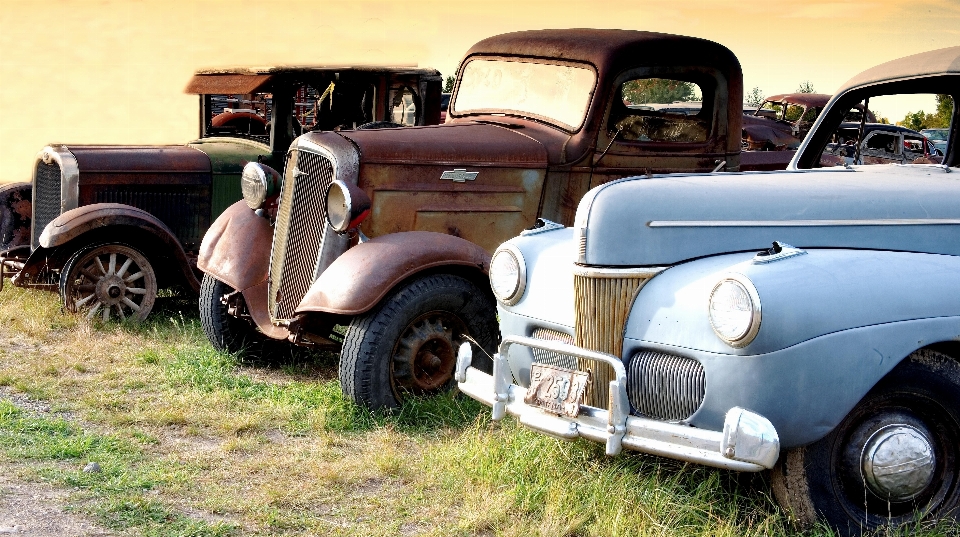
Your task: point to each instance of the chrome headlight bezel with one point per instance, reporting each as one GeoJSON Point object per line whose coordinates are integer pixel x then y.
{"type": "Point", "coordinates": [509, 297]}
{"type": "Point", "coordinates": [744, 336]}
{"type": "Point", "coordinates": [254, 185]}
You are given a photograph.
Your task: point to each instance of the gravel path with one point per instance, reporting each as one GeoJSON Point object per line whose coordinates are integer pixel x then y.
{"type": "Point", "coordinates": [37, 509]}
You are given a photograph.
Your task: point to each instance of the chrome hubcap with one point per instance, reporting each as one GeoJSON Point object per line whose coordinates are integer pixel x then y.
{"type": "Point", "coordinates": [897, 462]}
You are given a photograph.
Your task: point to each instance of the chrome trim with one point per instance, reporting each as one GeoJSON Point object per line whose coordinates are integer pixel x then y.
{"type": "Point", "coordinates": [69, 180]}
{"type": "Point", "coordinates": [754, 328]}
{"type": "Point", "coordinates": [545, 226]}
{"type": "Point", "coordinates": [609, 272]}
{"type": "Point", "coordinates": [581, 233]}
{"type": "Point", "coordinates": [459, 175]}
{"type": "Point", "coordinates": [615, 427]}
{"type": "Point", "coordinates": [806, 223]}
{"type": "Point", "coordinates": [786, 251]}
{"type": "Point", "coordinates": [521, 274]}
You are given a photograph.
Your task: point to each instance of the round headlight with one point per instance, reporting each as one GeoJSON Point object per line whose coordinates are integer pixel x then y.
{"type": "Point", "coordinates": [735, 311]}
{"type": "Point", "coordinates": [253, 185]}
{"type": "Point", "coordinates": [508, 275]}
{"type": "Point", "coordinates": [347, 206]}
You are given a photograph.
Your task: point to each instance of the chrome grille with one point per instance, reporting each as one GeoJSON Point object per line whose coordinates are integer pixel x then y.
{"type": "Point", "coordinates": [46, 199]}
{"type": "Point", "coordinates": [550, 357]}
{"type": "Point", "coordinates": [665, 387]}
{"type": "Point", "coordinates": [602, 300]}
{"type": "Point", "coordinates": [298, 232]}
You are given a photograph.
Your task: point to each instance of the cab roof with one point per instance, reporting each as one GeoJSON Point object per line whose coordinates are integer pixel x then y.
{"type": "Point", "coordinates": [243, 80]}
{"type": "Point", "coordinates": [944, 61]}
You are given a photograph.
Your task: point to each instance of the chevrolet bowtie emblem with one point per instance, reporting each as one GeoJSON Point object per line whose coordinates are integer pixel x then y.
{"type": "Point", "coordinates": [459, 176]}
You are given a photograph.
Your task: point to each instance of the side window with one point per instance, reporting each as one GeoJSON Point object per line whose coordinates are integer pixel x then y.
{"type": "Point", "coordinates": [660, 110]}
{"type": "Point", "coordinates": [405, 107]}
{"type": "Point", "coordinates": [882, 141]}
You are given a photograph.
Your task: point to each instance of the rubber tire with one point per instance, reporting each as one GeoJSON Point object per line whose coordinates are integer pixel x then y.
{"type": "Point", "coordinates": [150, 279]}
{"type": "Point", "coordinates": [371, 339]}
{"type": "Point", "coordinates": [805, 480]}
{"type": "Point", "coordinates": [229, 334]}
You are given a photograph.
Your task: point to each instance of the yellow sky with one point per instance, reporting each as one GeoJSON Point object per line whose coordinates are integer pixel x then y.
{"type": "Point", "coordinates": [109, 71]}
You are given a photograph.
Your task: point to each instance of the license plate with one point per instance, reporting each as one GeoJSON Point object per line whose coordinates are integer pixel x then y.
{"type": "Point", "coordinates": [557, 389]}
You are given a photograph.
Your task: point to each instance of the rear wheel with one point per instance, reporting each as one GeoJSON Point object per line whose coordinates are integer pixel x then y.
{"type": "Point", "coordinates": [110, 281]}
{"type": "Point", "coordinates": [407, 345]}
{"type": "Point", "coordinates": [892, 461]}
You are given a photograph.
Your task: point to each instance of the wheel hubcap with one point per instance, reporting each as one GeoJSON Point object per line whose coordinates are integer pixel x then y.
{"type": "Point", "coordinates": [898, 462]}
{"type": "Point", "coordinates": [426, 353]}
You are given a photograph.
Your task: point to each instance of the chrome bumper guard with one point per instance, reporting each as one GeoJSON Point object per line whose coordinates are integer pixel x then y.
{"type": "Point", "coordinates": [748, 443]}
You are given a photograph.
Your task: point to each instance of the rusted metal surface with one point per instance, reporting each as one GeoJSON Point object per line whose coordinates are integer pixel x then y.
{"type": "Point", "coordinates": [140, 159]}
{"type": "Point", "coordinates": [754, 161]}
{"type": "Point", "coordinates": [256, 299]}
{"type": "Point", "coordinates": [236, 249]}
{"type": "Point", "coordinates": [16, 215]}
{"type": "Point", "coordinates": [766, 133]}
{"type": "Point", "coordinates": [115, 218]}
{"type": "Point", "coordinates": [358, 279]}
{"type": "Point", "coordinates": [801, 99]}
{"type": "Point", "coordinates": [472, 144]}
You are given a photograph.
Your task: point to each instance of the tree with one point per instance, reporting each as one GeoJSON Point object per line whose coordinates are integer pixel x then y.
{"type": "Point", "coordinates": [806, 87]}
{"type": "Point", "coordinates": [659, 91]}
{"type": "Point", "coordinates": [754, 98]}
{"type": "Point", "coordinates": [448, 84]}
{"type": "Point", "coordinates": [938, 120]}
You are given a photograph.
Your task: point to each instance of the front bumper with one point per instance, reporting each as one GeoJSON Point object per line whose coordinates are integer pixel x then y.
{"type": "Point", "coordinates": [748, 442]}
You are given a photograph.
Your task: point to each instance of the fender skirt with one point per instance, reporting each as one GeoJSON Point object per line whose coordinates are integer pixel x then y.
{"type": "Point", "coordinates": [107, 217]}
{"type": "Point", "coordinates": [236, 251]}
{"type": "Point", "coordinates": [361, 277]}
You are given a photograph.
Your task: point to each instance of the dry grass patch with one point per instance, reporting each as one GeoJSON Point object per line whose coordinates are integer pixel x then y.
{"type": "Point", "coordinates": [194, 442]}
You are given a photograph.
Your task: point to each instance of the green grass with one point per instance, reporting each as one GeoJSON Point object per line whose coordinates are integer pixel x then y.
{"type": "Point", "coordinates": [196, 442]}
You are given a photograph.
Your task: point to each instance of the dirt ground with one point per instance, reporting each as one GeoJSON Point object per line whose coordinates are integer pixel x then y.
{"type": "Point", "coordinates": [37, 509]}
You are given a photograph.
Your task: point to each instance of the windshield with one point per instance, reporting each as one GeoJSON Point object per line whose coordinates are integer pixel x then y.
{"type": "Point", "coordinates": [557, 93]}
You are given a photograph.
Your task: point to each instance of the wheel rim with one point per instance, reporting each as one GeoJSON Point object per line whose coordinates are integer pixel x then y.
{"type": "Point", "coordinates": [892, 464]}
{"type": "Point", "coordinates": [425, 355]}
{"type": "Point", "coordinates": [111, 281]}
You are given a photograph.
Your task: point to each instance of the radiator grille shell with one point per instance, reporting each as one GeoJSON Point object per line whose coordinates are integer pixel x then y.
{"type": "Point", "coordinates": [298, 232]}
{"type": "Point", "coordinates": [47, 200]}
{"type": "Point", "coordinates": [665, 387]}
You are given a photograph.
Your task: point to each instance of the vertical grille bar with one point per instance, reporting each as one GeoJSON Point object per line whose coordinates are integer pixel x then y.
{"type": "Point", "coordinates": [298, 233]}
{"type": "Point", "coordinates": [602, 301]}
{"type": "Point", "coordinates": [46, 200]}
{"type": "Point", "coordinates": [665, 387]}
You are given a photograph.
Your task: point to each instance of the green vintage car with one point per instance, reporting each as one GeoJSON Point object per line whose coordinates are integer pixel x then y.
{"type": "Point", "coordinates": [110, 225]}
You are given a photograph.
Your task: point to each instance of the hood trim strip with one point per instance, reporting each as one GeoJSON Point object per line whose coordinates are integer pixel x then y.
{"type": "Point", "coordinates": [806, 223]}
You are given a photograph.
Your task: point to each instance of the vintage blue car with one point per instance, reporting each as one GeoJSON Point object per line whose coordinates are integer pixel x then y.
{"type": "Point", "coordinates": [676, 319]}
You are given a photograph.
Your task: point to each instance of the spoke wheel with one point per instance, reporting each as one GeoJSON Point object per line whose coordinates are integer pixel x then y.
{"type": "Point", "coordinates": [110, 281]}
{"type": "Point", "coordinates": [894, 460]}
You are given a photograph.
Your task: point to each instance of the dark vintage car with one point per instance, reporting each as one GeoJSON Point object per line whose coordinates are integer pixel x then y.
{"type": "Point", "coordinates": [535, 120]}
{"type": "Point", "coordinates": [110, 225]}
{"type": "Point", "coordinates": [804, 321]}
{"type": "Point", "coordinates": [882, 144]}
{"type": "Point", "coordinates": [782, 121]}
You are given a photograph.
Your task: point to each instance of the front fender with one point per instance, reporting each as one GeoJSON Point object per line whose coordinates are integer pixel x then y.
{"type": "Point", "coordinates": [361, 277]}
{"type": "Point", "coordinates": [116, 222]}
{"type": "Point", "coordinates": [236, 248]}
{"type": "Point", "coordinates": [833, 323]}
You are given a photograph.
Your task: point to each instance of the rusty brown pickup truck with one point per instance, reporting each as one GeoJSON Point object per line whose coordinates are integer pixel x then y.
{"type": "Point", "coordinates": [379, 241]}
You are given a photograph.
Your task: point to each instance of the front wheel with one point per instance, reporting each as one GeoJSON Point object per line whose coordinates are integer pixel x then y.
{"type": "Point", "coordinates": [109, 281]}
{"type": "Point", "coordinates": [892, 461]}
{"type": "Point", "coordinates": [407, 345]}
